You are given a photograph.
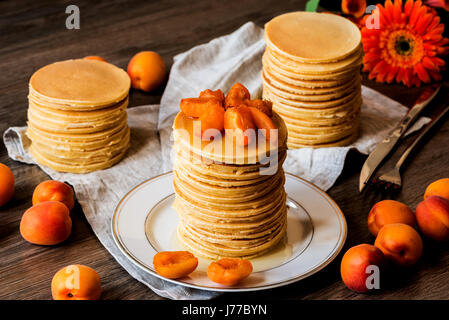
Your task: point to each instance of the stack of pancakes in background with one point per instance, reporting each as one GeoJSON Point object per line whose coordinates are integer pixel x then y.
{"type": "Point", "coordinates": [311, 74]}
{"type": "Point", "coordinates": [77, 119]}
{"type": "Point", "coordinates": [227, 209]}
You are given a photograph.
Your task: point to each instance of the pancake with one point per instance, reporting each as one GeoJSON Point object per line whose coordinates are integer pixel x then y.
{"type": "Point", "coordinates": [58, 125]}
{"type": "Point", "coordinates": [74, 168]}
{"type": "Point", "coordinates": [350, 62]}
{"type": "Point", "coordinates": [206, 249]}
{"type": "Point", "coordinates": [77, 119]}
{"type": "Point", "coordinates": [334, 76]}
{"type": "Point", "coordinates": [84, 83]}
{"type": "Point", "coordinates": [305, 94]}
{"type": "Point", "coordinates": [339, 143]}
{"type": "Point", "coordinates": [312, 37]}
{"type": "Point", "coordinates": [227, 204]}
{"type": "Point", "coordinates": [314, 101]}
{"type": "Point", "coordinates": [224, 150]}
{"type": "Point", "coordinates": [280, 80]}
{"type": "Point", "coordinates": [298, 89]}
{"type": "Point", "coordinates": [309, 137]}
{"type": "Point", "coordinates": [323, 117]}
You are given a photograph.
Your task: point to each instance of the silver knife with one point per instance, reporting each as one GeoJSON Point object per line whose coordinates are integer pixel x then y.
{"type": "Point", "coordinates": [383, 148]}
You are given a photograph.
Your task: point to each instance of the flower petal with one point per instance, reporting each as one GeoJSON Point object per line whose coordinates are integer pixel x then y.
{"type": "Point", "coordinates": [421, 72]}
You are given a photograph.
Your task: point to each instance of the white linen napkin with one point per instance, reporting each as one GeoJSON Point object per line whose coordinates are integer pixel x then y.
{"type": "Point", "coordinates": [217, 64]}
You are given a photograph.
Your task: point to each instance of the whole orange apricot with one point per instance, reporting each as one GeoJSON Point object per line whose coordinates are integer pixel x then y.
{"type": "Point", "coordinates": [389, 211]}
{"type": "Point", "coordinates": [76, 282]}
{"type": "Point", "coordinates": [354, 268]}
{"type": "Point", "coordinates": [400, 243]}
{"type": "Point", "coordinates": [6, 184]}
{"type": "Point", "coordinates": [432, 215]}
{"type": "Point", "coordinates": [355, 8]}
{"type": "Point", "coordinates": [438, 188]}
{"type": "Point", "coordinates": [46, 223]}
{"type": "Point", "coordinates": [98, 58]}
{"type": "Point", "coordinates": [52, 190]}
{"type": "Point", "coordinates": [147, 71]}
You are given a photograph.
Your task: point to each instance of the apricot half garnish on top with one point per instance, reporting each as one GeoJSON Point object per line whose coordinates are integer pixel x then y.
{"type": "Point", "coordinates": [263, 105]}
{"type": "Point", "coordinates": [240, 122]}
{"type": "Point", "coordinates": [243, 116]}
{"type": "Point", "coordinates": [207, 110]}
{"type": "Point", "coordinates": [174, 264]}
{"type": "Point", "coordinates": [236, 96]}
{"type": "Point", "coordinates": [229, 271]}
{"type": "Point", "coordinates": [264, 123]}
{"type": "Point", "coordinates": [217, 94]}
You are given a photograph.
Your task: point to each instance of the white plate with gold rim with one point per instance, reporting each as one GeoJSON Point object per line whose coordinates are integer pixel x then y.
{"type": "Point", "coordinates": [144, 223]}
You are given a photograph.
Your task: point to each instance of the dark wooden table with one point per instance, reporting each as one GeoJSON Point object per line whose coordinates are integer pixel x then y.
{"type": "Point", "coordinates": [33, 34]}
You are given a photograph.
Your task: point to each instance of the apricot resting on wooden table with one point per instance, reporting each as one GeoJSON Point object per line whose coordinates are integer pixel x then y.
{"type": "Point", "coordinates": [229, 271]}
{"type": "Point", "coordinates": [355, 8]}
{"type": "Point", "coordinates": [98, 58]}
{"type": "Point", "coordinates": [6, 184]}
{"type": "Point", "coordinates": [432, 215]}
{"type": "Point", "coordinates": [389, 211]}
{"type": "Point", "coordinates": [438, 188]}
{"type": "Point", "coordinates": [76, 282]}
{"type": "Point", "coordinates": [52, 190]}
{"type": "Point", "coordinates": [147, 71]}
{"type": "Point", "coordinates": [400, 243]}
{"type": "Point", "coordinates": [174, 264]}
{"type": "Point", "coordinates": [46, 223]}
{"type": "Point", "coordinates": [356, 263]}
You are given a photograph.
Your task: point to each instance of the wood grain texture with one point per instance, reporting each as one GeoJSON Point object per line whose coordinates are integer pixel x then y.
{"type": "Point", "coordinates": [33, 35]}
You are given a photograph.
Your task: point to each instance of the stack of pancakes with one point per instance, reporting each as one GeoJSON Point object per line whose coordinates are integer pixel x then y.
{"type": "Point", "coordinates": [228, 209]}
{"type": "Point", "coordinates": [311, 73]}
{"type": "Point", "coordinates": [77, 119]}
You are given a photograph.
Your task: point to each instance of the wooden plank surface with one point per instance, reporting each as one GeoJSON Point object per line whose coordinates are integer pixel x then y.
{"type": "Point", "coordinates": [34, 34]}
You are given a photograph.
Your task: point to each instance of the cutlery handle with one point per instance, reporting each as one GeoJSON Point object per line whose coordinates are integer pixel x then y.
{"type": "Point", "coordinates": [414, 112]}
{"type": "Point", "coordinates": [419, 138]}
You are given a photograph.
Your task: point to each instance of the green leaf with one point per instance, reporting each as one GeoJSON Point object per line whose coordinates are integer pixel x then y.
{"type": "Point", "coordinates": [312, 5]}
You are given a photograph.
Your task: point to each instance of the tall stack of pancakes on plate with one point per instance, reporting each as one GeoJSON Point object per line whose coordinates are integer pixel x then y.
{"type": "Point", "coordinates": [228, 206]}
{"type": "Point", "coordinates": [311, 73]}
{"type": "Point", "coordinates": [77, 119]}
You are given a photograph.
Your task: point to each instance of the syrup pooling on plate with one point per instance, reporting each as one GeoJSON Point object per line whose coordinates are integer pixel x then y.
{"type": "Point", "coordinates": [278, 255]}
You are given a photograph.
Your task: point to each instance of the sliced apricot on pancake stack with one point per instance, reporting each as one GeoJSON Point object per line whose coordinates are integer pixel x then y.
{"type": "Point", "coordinates": [235, 112]}
{"type": "Point", "coordinates": [239, 122]}
{"type": "Point", "coordinates": [207, 110]}
{"type": "Point", "coordinates": [236, 95]}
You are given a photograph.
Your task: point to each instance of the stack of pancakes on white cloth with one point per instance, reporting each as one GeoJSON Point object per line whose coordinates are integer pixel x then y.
{"type": "Point", "coordinates": [311, 74]}
{"type": "Point", "coordinates": [77, 119]}
{"type": "Point", "coordinates": [229, 204]}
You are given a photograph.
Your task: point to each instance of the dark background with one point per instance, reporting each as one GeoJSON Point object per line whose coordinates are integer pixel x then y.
{"type": "Point", "coordinates": [33, 34]}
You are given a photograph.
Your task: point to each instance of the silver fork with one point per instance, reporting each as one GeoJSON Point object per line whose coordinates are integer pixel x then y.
{"type": "Point", "coordinates": [391, 181]}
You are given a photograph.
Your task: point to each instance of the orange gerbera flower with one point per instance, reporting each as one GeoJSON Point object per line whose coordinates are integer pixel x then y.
{"type": "Point", "coordinates": [439, 4]}
{"type": "Point", "coordinates": [406, 45]}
